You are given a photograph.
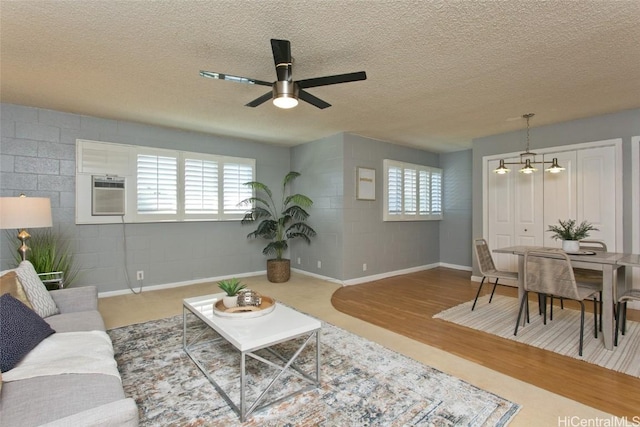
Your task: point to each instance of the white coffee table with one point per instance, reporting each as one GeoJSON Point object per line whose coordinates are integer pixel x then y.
{"type": "Point", "coordinates": [249, 335]}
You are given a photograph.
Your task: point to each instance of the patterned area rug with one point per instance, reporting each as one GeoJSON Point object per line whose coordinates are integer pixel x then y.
{"type": "Point", "coordinates": [560, 335]}
{"type": "Point", "coordinates": [363, 383]}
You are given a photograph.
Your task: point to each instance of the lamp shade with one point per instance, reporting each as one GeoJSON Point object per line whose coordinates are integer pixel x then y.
{"type": "Point", "coordinates": [555, 167]}
{"type": "Point", "coordinates": [25, 212]}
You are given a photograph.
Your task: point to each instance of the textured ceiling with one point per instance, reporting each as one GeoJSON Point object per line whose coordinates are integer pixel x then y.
{"type": "Point", "coordinates": [439, 72]}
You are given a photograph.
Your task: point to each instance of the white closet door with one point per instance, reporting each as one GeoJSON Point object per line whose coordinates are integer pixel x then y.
{"type": "Point", "coordinates": [560, 200]}
{"type": "Point", "coordinates": [501, 200]}
{"type": "Point", "coordinates": [529, 208]}
{"type": "Point", "coordinates": [597, 192]}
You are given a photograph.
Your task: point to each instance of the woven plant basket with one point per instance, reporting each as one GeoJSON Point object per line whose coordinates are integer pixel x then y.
{"type": "Point", "coordinates": [278, 270]}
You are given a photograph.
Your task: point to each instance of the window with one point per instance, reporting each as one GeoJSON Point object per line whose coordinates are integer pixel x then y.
{"type": "Point", "coordinates": [157, 184]}
{"type": "Point", "coordinates": [411, 192]}
{"type": "Point", "coordinates": [186, 186]}
{"type": "Point", "coordinates": [162, 184]}
{"type": "Point", "coordinates": [235, 175]}
{"type": "Point", "coordinates": [200, 186]}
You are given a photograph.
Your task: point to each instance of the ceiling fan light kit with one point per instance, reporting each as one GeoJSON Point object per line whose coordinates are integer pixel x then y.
{"type": "Point", "coordinates": [528, 159]}
{"type": "Point", "coordinates": [286, 92]}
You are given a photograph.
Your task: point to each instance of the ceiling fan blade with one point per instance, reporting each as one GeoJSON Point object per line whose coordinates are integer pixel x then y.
{"type": "Point", "coordinates": [261, 100]}
{"type": "Point", "coordinates": [282, 58]}
{"type": "Point", "coordinates": [306, 96]}
{"type": "Point", "coordinates": [332, 80]}
{"type": "Point", "coordinates": [237, 79]}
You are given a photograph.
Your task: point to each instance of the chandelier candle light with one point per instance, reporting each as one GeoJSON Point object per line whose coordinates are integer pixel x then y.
{"type": "Point", "coordinates": [528, 159]}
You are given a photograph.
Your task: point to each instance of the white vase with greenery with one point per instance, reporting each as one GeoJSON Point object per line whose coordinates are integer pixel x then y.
{"type": "Point", "coordinates": [571, 233]}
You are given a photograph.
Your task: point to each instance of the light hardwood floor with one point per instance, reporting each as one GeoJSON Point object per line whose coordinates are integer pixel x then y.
{"type": "Point", "coordinates": [314, 296]}
{"type": "Point", "coordinates": [406, 304]}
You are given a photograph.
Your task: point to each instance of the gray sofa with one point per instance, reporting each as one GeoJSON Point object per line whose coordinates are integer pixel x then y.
{"type": "Point", "coordinates": [69, 399]}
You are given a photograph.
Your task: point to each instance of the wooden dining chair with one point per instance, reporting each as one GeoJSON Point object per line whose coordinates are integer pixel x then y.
{"type": "Point", "coordinates": [549, 273]}
{"type": "Point", "coordinates": [488, 268]}
{"type": "Point", "coordinates": [621, 311]}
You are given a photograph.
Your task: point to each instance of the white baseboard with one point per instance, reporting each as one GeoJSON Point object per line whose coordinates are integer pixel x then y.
{"type": "Point", "coordinates": [349, 282]}
{"type": "Point", "coordinates": [177, 284]}
{"type": "Point", "coordinates": [455, 266]}
{"type": "Point", "coordinates": [318, 276]}
{"type": "Point", "coordinates": [365, 279]}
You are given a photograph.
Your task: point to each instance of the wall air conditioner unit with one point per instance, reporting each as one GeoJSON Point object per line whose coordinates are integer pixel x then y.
{"type": "Point", "coordinates": [107, 195]}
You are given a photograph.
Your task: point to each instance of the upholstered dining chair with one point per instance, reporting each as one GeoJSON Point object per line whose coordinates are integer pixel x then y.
{"type": "Point", "coordinates": [488, 268]}
{"type": "Point", "coordinates": [549, 273]}
{"type": "Point", "coordinates": [621, 311]}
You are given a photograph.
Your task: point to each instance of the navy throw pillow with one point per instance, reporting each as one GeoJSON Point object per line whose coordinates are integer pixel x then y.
{"type": "Point", "coordinates": [21, 329]}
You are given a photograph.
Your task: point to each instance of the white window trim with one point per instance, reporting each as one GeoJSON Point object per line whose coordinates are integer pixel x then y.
{"type": "Point", "coordinates": [431, 216]}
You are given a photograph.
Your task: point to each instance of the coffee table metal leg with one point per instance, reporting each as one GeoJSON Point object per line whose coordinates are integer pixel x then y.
{"type": "Point", "coordinates": [242, 410]}
{"type": "Point", "coordinates": [243, 384]}
{"type": "Point", "coordinates": [318, 382]}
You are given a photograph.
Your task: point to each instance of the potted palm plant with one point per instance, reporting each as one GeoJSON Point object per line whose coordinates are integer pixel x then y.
{"type": "Point", "coordinates": [570, 232]}
{"type": "Point", "coordinates": [231, 287]}
{"type": "Point", "coordinates": [278, 223]}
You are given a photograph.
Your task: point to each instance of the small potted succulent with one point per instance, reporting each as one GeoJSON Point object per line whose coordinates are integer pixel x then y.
{"type": "Point", "coordinates": [571, 233]}
{"type": "Point", "coordinates": [231, 287]}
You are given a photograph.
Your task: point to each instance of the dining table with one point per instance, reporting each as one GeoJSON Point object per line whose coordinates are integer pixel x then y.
{"type": "Point", "coordinates": [614, 279]}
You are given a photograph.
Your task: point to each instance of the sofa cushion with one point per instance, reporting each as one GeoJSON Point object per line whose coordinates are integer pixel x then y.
{"type": "Point", "coordinates": [10, 284]}
{"type": "Point", "coordinates": [37, 293]}
{"type": "Point", "coordinates": [56, 396]}
{"type": "Point", "coordinates": [22, 329]}
{"type": "Point", "coordinates": [77, 321]}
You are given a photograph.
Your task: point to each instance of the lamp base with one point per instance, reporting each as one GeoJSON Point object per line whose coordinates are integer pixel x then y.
{"type": "Point", "coordinates": [23, 235]}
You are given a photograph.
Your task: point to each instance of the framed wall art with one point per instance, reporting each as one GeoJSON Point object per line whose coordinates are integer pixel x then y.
{"type": "Point", "coordinates": [365, 184]}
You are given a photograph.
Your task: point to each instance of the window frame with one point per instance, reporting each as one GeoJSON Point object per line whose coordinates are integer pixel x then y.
{"type": "Point", "coordinates": [429, 210]}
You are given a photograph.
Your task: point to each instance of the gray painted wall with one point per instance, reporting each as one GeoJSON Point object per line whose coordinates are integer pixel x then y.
{"type": "Point", "coordinates": [320, 163]}
{"type": "Point", "coordinates": [38, 158]}
{"type": "Point", "coordinates": [455, 227]}
{"type": "Point", "coordinates": [383, 246]}
{"type": "Point", "coordinates": [351, 232]}
{"type": "Point", "coordinates": [624, 124]}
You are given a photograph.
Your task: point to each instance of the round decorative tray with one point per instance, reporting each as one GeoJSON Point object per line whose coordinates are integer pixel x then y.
{"type": "Point", "coordinates": [267, 305]}
{"type": "Point", "coordinates": [582, 253]}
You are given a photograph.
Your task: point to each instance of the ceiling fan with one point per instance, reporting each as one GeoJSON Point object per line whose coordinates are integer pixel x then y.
{"type": "Point", "coordinates": [285, 91]}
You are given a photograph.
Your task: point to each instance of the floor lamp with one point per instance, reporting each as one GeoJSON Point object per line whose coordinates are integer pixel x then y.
{"type": "Point", "coordinates": [22, 213]}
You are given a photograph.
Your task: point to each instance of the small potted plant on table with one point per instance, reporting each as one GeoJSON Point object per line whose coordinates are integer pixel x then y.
{"type": "Point", "coordinates": [231, 287]}
{"type": "Point", "coordinates": [571, 233]}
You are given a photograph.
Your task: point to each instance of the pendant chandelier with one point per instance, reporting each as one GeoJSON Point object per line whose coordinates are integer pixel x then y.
{"type": "Point", "coordinates": [528, 159]}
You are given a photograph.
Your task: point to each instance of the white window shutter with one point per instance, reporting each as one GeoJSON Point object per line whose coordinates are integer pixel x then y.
{"type": "Point", "coordinates": [234, 177]}
{"type": "Point", "coordinates": [200, 186]}
{"type": "Point", "coordinates": [157, 189]}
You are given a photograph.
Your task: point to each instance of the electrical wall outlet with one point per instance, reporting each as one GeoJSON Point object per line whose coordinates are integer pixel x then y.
{"type": "Point", "coordinates": [364, 267]}
{"type": "Point", "coordinates": [319, 264]}
{"type": "Point", "coordinates": [298, 260]}
{"type": "Point", "coordinates": [140, 275]}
